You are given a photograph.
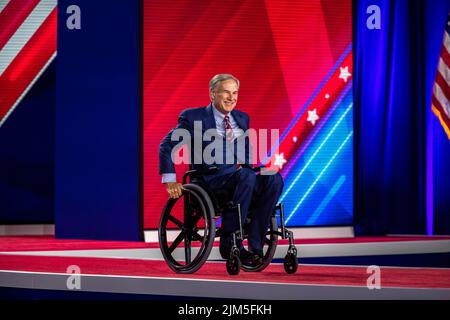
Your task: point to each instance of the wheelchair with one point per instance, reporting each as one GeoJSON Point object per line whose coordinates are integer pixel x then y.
{"type": "Point", "coordinates": [200, 210]}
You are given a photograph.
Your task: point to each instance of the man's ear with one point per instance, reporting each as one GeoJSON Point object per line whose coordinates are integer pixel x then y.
{"type": "Point", "coordinates": [212, 95]}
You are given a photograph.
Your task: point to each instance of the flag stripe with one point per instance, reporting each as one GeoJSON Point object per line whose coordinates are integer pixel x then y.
{"type": "Point", "coordinates": [447, 41]}
{"type": "Point", "coordinates": [439, 95]}
{"type": "Point", "coordinates": [24, 33]}
{"type": "Point", "coordinates": [28, 63]}
{"type": "Point", "coordinates": [13, 16]}
{"type": "Point", "coordinates": [445, 55]}
{"type": "Point", "coordinates": [439, 107]}
{"type": "Point", "coordinates": [444, 70]}
{"type": "Point", "coordinates": [444, 86]}
{"type": "Point", "coordinates": [3, 4]}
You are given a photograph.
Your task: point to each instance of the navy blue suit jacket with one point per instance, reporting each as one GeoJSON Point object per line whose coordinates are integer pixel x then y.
{"type": "Point", "coordinates": [186, 121]}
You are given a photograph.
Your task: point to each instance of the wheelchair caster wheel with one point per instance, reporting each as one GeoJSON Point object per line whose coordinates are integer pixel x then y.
{"type": "Point", "coordinates": [290, 263]}
{"type": "Point", "coordinates": [234, 264]}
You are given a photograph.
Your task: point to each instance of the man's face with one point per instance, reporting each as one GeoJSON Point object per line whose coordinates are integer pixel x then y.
{"type": "Point", "coordinates": [225, 96]}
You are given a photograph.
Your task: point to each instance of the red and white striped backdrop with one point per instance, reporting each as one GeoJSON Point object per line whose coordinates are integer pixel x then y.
{"type": "Point", "coordinates": [27, 47]}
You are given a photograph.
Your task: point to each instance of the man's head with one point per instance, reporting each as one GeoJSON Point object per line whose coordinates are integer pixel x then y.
{"type": "Point", "coordinates": [223, 90]}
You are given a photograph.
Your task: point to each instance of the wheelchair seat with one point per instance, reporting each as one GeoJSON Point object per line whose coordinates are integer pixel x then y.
{"type": "Point", "coordinates": [220, 199]}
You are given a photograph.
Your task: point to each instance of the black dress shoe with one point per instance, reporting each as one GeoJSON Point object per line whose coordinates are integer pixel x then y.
{"type": "Point", "coordinates": [250, 259]}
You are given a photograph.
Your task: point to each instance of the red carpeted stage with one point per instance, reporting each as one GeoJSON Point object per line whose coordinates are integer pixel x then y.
{"type": "Point", "coordinates": [410, 268]}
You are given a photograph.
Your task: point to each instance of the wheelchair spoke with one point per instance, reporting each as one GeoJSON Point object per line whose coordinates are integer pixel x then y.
{"type": "Point", "coordinates": [197, 237]}
{"type": "Point", "coordinates": [196, 217]}
{"type": "Point", "coordinates": [177, 241]}
{"type": "Point", "coordinates": [187, 250]}
{"type": "Point", "coordinates": [176, 221]}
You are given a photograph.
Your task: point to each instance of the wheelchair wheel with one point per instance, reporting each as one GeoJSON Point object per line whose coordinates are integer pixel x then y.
{"type": "Point", "coordinates": [290, 263]}
{"type": "Point", "coordinates": [270, 246]}
{"type": "Point", "coordinates": [233, 263]}
{"type": "Point", "coordinates": [193, 244]}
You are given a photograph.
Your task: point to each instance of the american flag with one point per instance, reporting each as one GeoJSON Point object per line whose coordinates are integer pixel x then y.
{"type": "Point", "coordinates": [441, 90]}
{"type": "Point", "coordinates": [27, 47]}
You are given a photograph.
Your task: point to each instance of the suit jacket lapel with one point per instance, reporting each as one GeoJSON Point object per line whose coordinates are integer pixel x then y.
{"type": "Point", "coordinates": [240, 121]}
{"type": "Point", "coordinates": [209, 122]}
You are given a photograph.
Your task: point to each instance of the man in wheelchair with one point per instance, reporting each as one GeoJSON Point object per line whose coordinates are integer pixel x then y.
{"type": "Point", "coordinates": [255, 193]}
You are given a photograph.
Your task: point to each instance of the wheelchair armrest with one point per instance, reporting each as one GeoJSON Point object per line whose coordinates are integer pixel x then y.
{"type": "Point", "coordinates": [263, 170]}
{"type": "Point", "coordinates": [198, 173]}
{"type": "Point", "coordinates": [255, 169]}
{"type": "Point", "coordinates": [209, 170]}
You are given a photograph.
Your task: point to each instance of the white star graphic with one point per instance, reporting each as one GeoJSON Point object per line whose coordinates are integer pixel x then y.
{"type": "Point", "coordinates": [279, 160]}
{"type": "Point", "coordinates": [312, 117]}
{"type": "Point", "coordinates": [345, 74]}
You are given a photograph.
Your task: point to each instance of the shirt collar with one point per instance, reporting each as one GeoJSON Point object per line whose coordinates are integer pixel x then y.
{"type": "Point", "coordinates": [219, 115]}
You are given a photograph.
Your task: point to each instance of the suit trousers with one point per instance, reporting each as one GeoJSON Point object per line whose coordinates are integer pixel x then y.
{"type": "Point", "coordinates": [257, 195]}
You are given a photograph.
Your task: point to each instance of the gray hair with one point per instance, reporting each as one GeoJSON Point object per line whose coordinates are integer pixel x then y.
{"type": "Point", "coordinates": [218, 78]}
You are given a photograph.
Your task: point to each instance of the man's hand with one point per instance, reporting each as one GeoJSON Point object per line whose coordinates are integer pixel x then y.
{"type": "Point", "coordinates": [174, 189]}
